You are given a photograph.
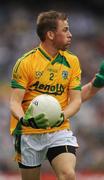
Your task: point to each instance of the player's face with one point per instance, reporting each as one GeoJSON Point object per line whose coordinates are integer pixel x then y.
{"type": "Point", "coordinates": [62, 36]}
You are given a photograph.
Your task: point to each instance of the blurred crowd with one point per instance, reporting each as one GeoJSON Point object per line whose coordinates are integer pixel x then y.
{"type": "Point", "coordinates": [17, 36]}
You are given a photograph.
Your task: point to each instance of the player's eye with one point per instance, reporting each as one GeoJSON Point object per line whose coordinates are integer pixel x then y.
{"type": "Point", "coordinates": [66, 29]}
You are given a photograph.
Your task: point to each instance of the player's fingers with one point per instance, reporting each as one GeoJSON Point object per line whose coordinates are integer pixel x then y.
{"type": "Point", "coordinates": [40, 116]}
{"type": "Point", "coordinates": [43, 122]}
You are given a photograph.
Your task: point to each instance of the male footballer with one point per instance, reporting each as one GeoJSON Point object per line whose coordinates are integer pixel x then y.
{"type": "Point", "coordinates": [48, 69]}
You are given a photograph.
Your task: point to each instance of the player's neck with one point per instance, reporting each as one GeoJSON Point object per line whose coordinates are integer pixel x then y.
{"type": "Point", "coordinates": [49, 49]}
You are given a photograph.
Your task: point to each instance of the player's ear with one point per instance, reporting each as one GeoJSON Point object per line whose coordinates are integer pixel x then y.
{"type": "Point", "coordinates": [50, 35]}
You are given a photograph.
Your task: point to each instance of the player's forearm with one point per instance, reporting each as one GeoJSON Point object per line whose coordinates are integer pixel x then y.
{"type": "Point", "coordinates": [72, 108]}
{"type": "Point", "coordinates": [88, 91]}
{"type": "Point", "coordinates": [16, 109]}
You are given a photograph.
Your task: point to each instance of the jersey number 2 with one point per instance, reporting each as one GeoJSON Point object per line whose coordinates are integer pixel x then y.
{"type": "Point", "coordinates": [51, 76]}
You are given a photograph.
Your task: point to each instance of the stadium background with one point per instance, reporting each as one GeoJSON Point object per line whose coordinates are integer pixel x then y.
{"type": "Point", "coordinates": [17, 36]}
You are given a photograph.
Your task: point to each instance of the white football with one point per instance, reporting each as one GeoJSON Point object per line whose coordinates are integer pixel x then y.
{"type": "Point", "coordinates": [49, 105]}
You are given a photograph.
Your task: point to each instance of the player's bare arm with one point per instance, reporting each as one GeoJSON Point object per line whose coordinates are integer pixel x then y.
{"type": "Point", "coordinates": [74, 104]}
{"type": "Point", "coordinates": [90, 89]}
{"type": "Point", "coordinates": [15, 102]}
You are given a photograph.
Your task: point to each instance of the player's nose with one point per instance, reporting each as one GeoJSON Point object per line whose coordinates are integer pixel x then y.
{"type": "Point", "coordinates": [70, 35]}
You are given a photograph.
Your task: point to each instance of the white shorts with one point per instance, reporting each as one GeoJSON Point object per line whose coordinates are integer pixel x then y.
{"type": "Point", "coordinates": [33, 149]}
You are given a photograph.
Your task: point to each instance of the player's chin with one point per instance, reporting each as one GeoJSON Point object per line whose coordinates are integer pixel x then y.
{"type": "Point", "coordinates": [66, 47]}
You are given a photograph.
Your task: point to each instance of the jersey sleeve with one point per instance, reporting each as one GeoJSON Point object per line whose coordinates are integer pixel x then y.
{"type": "Point", "coordinates": [20, 74]}
{"type": "Point", "coordinates": [75, 80]}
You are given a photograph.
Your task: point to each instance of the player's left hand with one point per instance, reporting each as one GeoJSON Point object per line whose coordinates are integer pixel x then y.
{"type": "Point", "coordinates": [60, 121]}
{"type": "Point", "coordinates": [98, 82]}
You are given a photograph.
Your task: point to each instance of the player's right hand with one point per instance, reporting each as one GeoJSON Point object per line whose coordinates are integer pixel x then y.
{"type": "Point", "coordinates": [98, 81]}
{"type": "Point", "coordinates": [39, 121]}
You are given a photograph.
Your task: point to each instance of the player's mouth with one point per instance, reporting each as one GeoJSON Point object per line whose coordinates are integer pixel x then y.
{"type": "Point", "coordinates": [69, 42]}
